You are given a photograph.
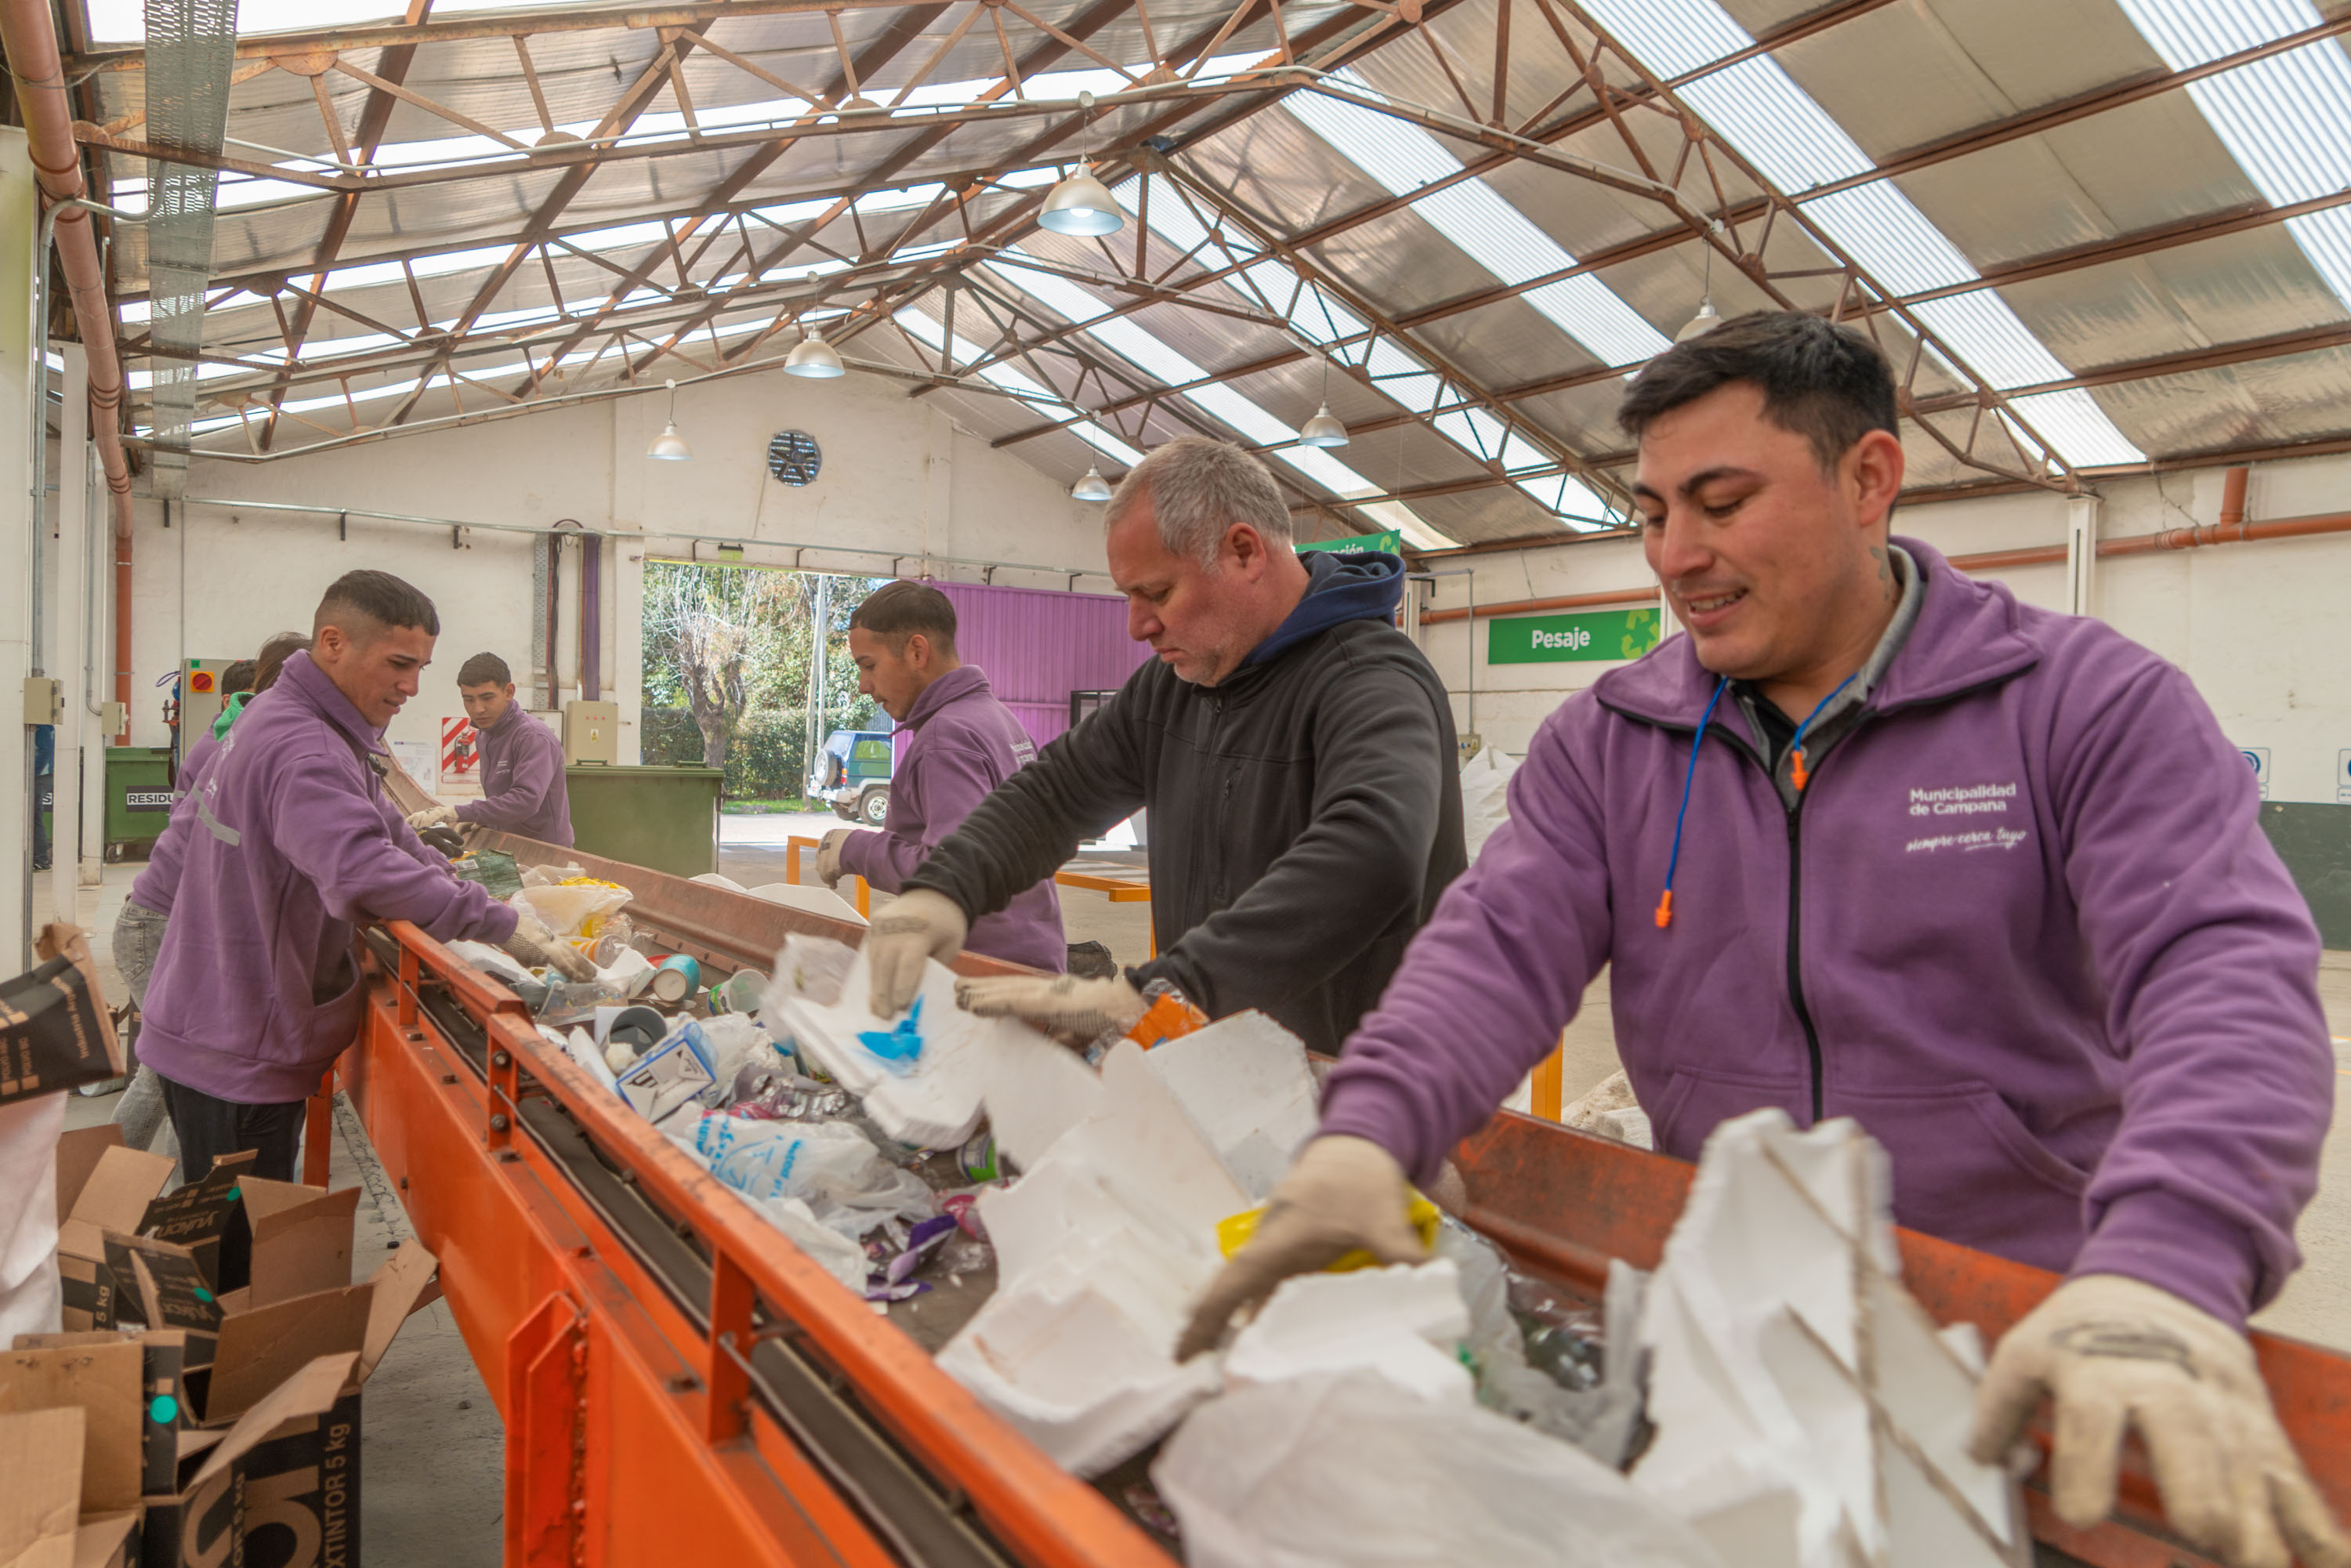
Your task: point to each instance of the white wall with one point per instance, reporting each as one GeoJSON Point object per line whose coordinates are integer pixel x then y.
{"type": "Point", "coordinates": [2263, 629]}
{"type": "Point", "coordinates": [899, 482]}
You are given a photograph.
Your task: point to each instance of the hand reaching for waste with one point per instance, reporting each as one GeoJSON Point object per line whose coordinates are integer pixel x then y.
{"type": "Point", "coordinates": [1075, 1011]}
{"type": "Point", "coordinates": [2113, 1352]}
{"type": "Point", "coordinates": [827, 856]}
{"type": "Point", "coordinates": [434, 817]}
{"type": "Point", "coordinates": [917, 924]}
{"type": "Point", "coordinates": [1343, 1193]}
{"type": "Point", "coordinates": [533, 945]}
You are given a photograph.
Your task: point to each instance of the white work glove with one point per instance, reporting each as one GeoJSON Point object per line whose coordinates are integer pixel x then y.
{"type": "Point", "coordinates": [918, 925]}
{"type": "Point", "coordinates": [535, 946]}
{"type": "Point", "coordinates": [2114, 1354]}
{"type": "Point", "coordinates": [1063, 1005]}
{"type": "Point", "coordinates": [432, 817]}
{"type": "Point", "coordinates": [827, 856]}
{"type": "Point", "coordinates": [1343, 1193]}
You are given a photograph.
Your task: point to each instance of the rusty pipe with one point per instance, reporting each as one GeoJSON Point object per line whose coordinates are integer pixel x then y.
{"type": "Point", "coordinates": [29, 37]}
{"type": "Point", "coordinates": [1541, 606]}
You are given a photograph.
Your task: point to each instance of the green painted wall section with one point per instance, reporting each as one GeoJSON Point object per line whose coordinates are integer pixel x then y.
{"type": "Point", "coordinates": [2314, 841]}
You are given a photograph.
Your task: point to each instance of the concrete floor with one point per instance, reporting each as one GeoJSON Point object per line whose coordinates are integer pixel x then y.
{"type": "Point", "coordinates": [435, 1484]}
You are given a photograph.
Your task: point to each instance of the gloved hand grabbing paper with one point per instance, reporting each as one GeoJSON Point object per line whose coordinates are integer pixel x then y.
{"type": "Point", "coordinates": [1069, 1008]}
{"type": "Point", "coordinates": [918, 925]}
{"type": "Point", "coordinates": [827, 856]}
{"type": "Point", "coordinates": [1342, 1193]}
{"type": "Point", "coordinates": [533, 945]}
{"type": "Point", "coordinates": [2114, 1353]}
{"type": "Point", "coordinates": [432, 817]}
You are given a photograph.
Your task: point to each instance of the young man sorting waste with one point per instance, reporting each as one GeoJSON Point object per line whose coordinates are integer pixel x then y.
{"type": "Point", "coordinates": [523, 789]}
{"type": "Point", "coordinates": [1295, 751]}
{"type": "Point", "coordinates": [1873, 840]}
{"type": "Point", "coordinates": [962, 744]}
{"type": "Point", "coordinates": [255, 992]}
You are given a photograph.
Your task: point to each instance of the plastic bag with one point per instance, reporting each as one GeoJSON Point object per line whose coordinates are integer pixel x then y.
{"type": "Point", "coordinates": [1351, 1468]}
{"type": "Point", "coordinates": [737, 1043]}
{"type": "Point", "coordinates": [811, 967]}
{"type": "Point", "coordinates": [550, 875]}
{"type": "Point", "coordinates": [1485, 797]}
{"type": "Point", "coordinates": [832, 1167]}
{"type": "Point", "coordinates": [572, 909]}
{"type": "Point", "coordinates": [493, 869]}
{"type": "Point", "coordinates": [839, 1256]}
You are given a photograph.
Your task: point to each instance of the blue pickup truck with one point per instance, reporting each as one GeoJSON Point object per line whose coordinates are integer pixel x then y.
{"type": "Point", "coordinates": [852, 775]}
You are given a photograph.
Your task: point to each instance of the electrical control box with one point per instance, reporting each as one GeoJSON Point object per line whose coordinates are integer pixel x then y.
{"type": "Point", "coordinates": [592, 732]}
{"type": "Point", "coordinates": [200, 698]}
{"type": "Point", "coordinates": [44, 700]}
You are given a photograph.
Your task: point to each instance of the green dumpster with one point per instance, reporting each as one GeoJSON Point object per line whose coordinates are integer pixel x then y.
{"type": "Point", "coordinates": [665, 818]}
{"type": "Point", "coordinates": [138, 797]}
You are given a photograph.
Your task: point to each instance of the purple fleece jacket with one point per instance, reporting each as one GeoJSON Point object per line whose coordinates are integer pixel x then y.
{"type": "Point", "coordinates": [962, 744]}
{"type": "Point", "coordinates": [522, 781]}
{"type": "Point", "coordinates": [2023, 926]}
{"type": "Point", "coordinates": [293, 842]}
{"type": "Point", "coordinates": [159, 884]}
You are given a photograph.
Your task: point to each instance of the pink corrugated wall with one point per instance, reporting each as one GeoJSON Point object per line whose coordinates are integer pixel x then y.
{"type": "Point", "coordinates": [1038, 646]}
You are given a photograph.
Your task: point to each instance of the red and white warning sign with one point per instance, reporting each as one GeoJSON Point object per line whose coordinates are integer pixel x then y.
{"type": "Point", "coordinates": [458, 753]}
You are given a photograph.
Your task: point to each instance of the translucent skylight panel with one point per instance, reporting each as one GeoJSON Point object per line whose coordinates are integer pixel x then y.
{"type": "Point", "coordinates": [2189, 33]}
{"type": "Point", "coordinates": [2075, 425]}
{"type": "Point", "coordinates": [2325, 239]}
{"type": "Point", "coordinates": [1673, 37]}
{"type": "Point", "coordinates": [1777, 125]}
{"type": "Point", "coordinates": [1403, 158]}
{"type": "Point", "coordinates": [965, 351]}
{"type": "Point", "coordinates": [1891, 238]}
{"type": "Point", "coordinates": [1996, 345]}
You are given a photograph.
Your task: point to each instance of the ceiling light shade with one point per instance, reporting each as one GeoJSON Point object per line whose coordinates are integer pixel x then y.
{"type": "Point", "coordinates": [1323, 429]}
{"type": "Point", "coordinates": [1093, 486]}
{"type": "Point", "coordinates": [1082, 205]}
{"type": "Point", "coordinates": [669, 446]}
{"type": "Point", "coordinates": [812, 357]}
{"type": "Point", "coordinates": [1704, 321]}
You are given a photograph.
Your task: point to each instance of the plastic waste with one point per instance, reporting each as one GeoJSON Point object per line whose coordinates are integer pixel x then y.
{"type": "Point", "coordinates": [1485, 797]}
{"type": "Point", "coordinates": [737, 1045]}
{"type": "Point", "coordinates": [672, 1074]}
{"type": "Point", "coordinates": [493, 869]}
{"type": "Point", "coordinates": [838, 1255]}
{"type": "Point", "coordinates": [575, 908]}
{"type": "Point", "coordinates": [810, 968]}
{"type": "Point", "coordinates": [491, 960]}
{"type": "Point", "coordinates": [576, 1002]}
{"type": "Point", "coordinates": [1405, 1322]}
{"type": "Point", "coordinates": [550, 875]}
{"type": "Point", "coordinates": [1351, 1467]}
{"type": "Point", "coordinates": [832, 1167]}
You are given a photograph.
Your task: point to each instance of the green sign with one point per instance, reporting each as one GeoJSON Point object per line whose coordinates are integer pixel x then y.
{"type": "Point", "coordinates": [1570, 639]}
{"type": "Point", "coordinates": [1389, 543]}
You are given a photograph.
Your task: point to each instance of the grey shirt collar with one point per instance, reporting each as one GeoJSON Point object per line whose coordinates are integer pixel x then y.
{"type": "Point", "coordinates": [1842, 710]}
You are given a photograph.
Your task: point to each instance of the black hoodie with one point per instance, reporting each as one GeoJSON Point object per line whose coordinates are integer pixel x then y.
{"type": "Point", "coordinates": [1305, 814]}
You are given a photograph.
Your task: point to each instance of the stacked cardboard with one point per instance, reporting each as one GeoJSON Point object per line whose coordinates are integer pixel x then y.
{"type": "Point", "coordinates": [210, 1372]}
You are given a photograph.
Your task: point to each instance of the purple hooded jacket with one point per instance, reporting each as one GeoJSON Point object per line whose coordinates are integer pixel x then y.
{"type": "Point", "coordinates": [963, 744]}
{"type": "Point", "coordinates": [293, 842]}
{"type": "Point", "coordinates": [2046, 956]}
{"type": "Point", "coordinates": [522, 781]}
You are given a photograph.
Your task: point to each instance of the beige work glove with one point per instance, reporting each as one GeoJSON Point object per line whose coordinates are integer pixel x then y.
{"type": "Point", "coordinates": [1077, 1010]}
{"type": "Point", "coordinates": [1342, 1194]}
{"type": "Point", "coordinates": [2114, 1353]}
{"type": "Point", "coordinates": [434, 817]}
{"type": "Point", "coordinates": [535, 946]}
{"type": "Point", "coordinates": [827, 856]}
{"type": "Point", "coordinates": [918, 925]}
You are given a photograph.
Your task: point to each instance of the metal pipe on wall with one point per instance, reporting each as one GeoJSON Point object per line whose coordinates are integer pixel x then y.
{"type": "Point", "coordinates": [592, 617]}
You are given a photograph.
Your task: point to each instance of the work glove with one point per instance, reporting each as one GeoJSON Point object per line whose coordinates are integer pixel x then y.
{"type": "Point", "coordinates": [918, 925]}
{"type": "Point", "coordinates": [535, 946]}
{"type": "Point", "coordinates": [432, 817]}
{"type": "Point", "coordinates": [1065, 1006]}
{"type": "Point", "coordinates": [1343, 1193]}
{"type": "Point", "coordinates": [2114, 1353]}
{"type": "Point", "coordinates": [827, 856]}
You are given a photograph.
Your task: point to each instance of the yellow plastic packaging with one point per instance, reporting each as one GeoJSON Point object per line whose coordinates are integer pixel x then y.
{"type": "Point", "coordinates": [1233, 1233]}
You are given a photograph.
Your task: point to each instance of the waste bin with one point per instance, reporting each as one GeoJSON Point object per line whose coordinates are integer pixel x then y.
{"type": "Point", "coordinates": [138, 797]}
{"type": "Point", "coordinates": [665, 818]}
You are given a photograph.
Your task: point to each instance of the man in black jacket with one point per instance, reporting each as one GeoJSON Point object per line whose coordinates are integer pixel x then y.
{"type": "Point", "coordinates": [1296, 752]}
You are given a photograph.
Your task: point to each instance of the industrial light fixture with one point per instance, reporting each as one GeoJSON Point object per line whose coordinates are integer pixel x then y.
{"type": "Point", "coordinates": [1081, 204]}
{"type": "Point", "coordinates": [669, 446]}
{"type": "Point", "coordinates": [1704, 321]}
{"type": "Point", "coordinates": [1323, 430]}
{"type": "Point", "coordinates": [1093, 486]}
{"type": "Point", "coordinates": [812, 356]}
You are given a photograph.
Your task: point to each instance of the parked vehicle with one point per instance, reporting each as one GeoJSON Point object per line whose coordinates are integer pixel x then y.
{"type": "Point", "coordinates": [852, 775]}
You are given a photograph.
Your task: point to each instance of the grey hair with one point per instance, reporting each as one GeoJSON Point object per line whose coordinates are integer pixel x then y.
{"type": "Point", "coordinates": [1198, 488]}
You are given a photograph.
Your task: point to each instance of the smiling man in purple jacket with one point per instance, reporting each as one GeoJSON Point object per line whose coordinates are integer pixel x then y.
{"type": "Point", "coordinates": [1873, 840]}
{"type": "Point", "coordinates": [255, 992]}
{"type": "Point", "coordinates": [964, 744]}
{"type": "Point", "coordinates": [522, 762]}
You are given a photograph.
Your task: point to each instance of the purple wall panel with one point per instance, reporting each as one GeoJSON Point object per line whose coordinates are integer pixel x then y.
{"type": "Point", "coordinates": [1038, 646]}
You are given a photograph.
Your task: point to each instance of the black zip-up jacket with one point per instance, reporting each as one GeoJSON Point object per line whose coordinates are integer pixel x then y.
{"type": "Point", "coordinates": [1305, 815]}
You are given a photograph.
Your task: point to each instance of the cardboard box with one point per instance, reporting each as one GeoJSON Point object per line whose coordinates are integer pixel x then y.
{"type": "Point", "coordinates": [162, 1400]}
{"type": "Point", "coordinates": [41, 1524]}
{"type": "Point", "coordinates": [208, 1218]}
{"type": "Point", "coordinates": [54, 1029]}
{"type": "Point", "coordinates": [111, 1187]}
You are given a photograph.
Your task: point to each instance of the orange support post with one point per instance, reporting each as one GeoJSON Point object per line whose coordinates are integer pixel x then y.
{"type": "Point", "coordinates": [1120, 889]}
{"type": "Point", "coordinates": [862, 896]}
{"type": "Point", "coordinates": [1544, 1099]}
{"type": "Point", "coordinates": [318, 1132]}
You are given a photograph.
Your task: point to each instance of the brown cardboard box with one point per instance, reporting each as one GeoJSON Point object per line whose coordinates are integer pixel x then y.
{"type": "Point", "coordinates": [208, 1218]}
{"type": "Point", "coordinates": [101, 1187]}
{"type": "Point", "coordinates": [102, 1380]}
{"type": "Point", "coordinates": [301, 1237]}
{"type": "Point", "coordinates": [41, 1524]}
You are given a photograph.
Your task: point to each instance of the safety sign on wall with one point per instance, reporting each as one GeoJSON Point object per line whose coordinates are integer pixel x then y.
{"type": "Point", "coordinates": [2257, 758]}
{"type": "Point", "coordinates": [1570, 639]}
{"type": "Point", "coordinates": [458, 753]}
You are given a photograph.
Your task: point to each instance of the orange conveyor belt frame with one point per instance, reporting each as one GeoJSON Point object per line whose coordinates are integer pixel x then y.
{"type": "Point", "coordinates": [695, 1389]}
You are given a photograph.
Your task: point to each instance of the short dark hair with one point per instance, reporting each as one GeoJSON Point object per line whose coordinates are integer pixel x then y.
{"type": "Point", "coordinates": [896, 610]}
{"type": "Point", "coordinates": [1820, 381]}
{"type": "Point", "coordinates": [361, 600]}
{"type": "Point", "coordinates": [484, 670]}
{"type": "Point", "coordinates": [237, 677]}
{"type": "Point", "coordinates": [273, 656]}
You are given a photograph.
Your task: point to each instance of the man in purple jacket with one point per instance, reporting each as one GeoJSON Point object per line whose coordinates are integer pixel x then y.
{"type": "Point", "coordinates": [522, 762]}
{"type": "Point", "coordinates": [255, 992]}
{"type": "Point", "coordinates": [1875, 841]}
{"type": "Point", "coordinates": [964, 743]}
